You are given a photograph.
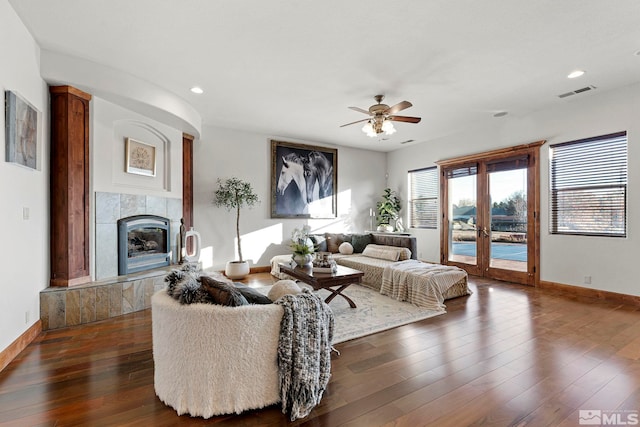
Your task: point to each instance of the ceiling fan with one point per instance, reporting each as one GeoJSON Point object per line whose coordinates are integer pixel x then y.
{"type": "Point", "coordinates": [381, 117]}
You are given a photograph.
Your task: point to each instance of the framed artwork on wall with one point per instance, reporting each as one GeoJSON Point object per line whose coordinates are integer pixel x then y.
{"type": "Point", "coordinates": [140, 158]}
{"type": "Point", "coordinates": [304, 180]}
{"type": "Point", "coordinates": [22, 127]}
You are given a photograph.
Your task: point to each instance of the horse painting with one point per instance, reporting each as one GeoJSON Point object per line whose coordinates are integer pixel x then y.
{"type": "Point", "coordinates": [318, 170]}
{"type": "Point", "coordinates": [292, 170]}
{"type": "Point", "coordinates": [303, 180]}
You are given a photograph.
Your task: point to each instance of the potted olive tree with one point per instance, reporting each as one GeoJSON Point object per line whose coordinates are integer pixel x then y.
{"type": "Point", "coordinates": [388, 210]}
{"type": "Point", "coordinates": [233, 193]}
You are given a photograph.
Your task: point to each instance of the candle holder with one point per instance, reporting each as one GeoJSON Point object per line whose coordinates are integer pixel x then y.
{"type": "Point", "coordinates": [372, 218]}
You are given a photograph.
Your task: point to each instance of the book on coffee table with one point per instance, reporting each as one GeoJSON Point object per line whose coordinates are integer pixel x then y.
{"type": "Point", "coordinates": [324, 269]}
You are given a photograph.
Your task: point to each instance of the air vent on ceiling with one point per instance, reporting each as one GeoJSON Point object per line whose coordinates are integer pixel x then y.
{"type": "Point", "coordinates": [407, 141]}
{"type": "Point", "coordinates": [577, 91]}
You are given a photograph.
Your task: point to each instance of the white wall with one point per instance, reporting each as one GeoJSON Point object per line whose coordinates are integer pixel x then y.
{"type": "Point", "coordinates": [24, 252]}
{"type": "Point", "coordinates": [564, 259]}
{"type": "Point", "coordinates": [223, 153]}
{"type": "Point", "coordinates": [110, 125]}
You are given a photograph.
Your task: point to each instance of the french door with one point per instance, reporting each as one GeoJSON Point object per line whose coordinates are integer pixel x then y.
{"type": "Point", "coordinates": [489, 208]}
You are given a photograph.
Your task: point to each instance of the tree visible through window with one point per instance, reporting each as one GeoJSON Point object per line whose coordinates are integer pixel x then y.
{"type": "Point", "coordinates": [423, 198]}
{"type": "Point", "coordinates": [589, 186]}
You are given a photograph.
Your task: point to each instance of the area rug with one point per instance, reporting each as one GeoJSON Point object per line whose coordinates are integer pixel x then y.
{"type": "Point", "coordinates": [374, 313]}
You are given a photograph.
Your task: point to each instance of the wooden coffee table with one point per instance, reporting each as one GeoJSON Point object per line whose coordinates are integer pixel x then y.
{"type": "Point", "coordinates": [342, 278]}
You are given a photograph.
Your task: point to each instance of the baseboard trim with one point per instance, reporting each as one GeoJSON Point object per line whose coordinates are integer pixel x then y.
{"type": "Point", "coordinates": [591, 293]}
{"type": "Point", "coordinates": [10, 353]}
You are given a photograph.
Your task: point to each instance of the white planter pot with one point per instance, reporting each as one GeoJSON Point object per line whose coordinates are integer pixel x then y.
{"type": "Point", "coordinates": [385, 228]}
{"type": "Point", "coordinates": [302, 260]}
{"type": "Point", "coordinates": [236, 270]}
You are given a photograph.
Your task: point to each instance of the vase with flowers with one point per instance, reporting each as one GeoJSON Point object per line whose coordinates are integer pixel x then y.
{"type": "Point", "coordinates": [302, 246]}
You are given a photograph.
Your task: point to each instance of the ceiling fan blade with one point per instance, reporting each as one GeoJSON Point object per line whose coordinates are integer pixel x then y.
{"type": "Point", "coordinates": [353, 123]}
{"type": "Point", "coordinates": [399, 107]}
{"type": "Point", "coordinates": [406, 119]}
{"type": "Point", "coordinates": [360, 110]}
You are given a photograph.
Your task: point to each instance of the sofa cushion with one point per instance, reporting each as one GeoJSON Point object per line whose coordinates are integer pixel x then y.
{"type": "Point", "coordinates": [360, 241]}
{"type": "Point", "coordinates": [345, 248]}
{"type": "Point", "coordinates": [405, 254]}
{"type": "Point", "coordinates": [409, 242]}
{"type": "Point", "coordinates": [283, 287]}
{"type": "Point", "coordinates": [319, 241]}
{"type": "Point", "coordinates": [252, 296]}
{"type": "Point", "coordinates": [391, 253]}
{"type": "Point", "coordinates": [223, 293]}
{"type": "Point", "coordinates": [184, 285]}
{"type": "Point", "coordinates": [334, 240]}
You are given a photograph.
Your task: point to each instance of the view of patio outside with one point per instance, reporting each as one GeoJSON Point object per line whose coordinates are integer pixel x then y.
{"type": "Point", "coordinates": [508, 220]}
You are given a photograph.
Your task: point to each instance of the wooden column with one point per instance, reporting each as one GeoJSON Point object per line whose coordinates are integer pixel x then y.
{"type": "Point", "coordinates": [69, 186]}
{"type": "Point", "coordinates": [187, 180]}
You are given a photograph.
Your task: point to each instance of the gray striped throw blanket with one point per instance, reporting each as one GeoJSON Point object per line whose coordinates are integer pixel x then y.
{"type": "Point", "coordinates": [304, 352]}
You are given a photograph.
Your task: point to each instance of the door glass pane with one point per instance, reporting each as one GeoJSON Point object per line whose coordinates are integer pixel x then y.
{"type": "Point", "coordinates": [508, 192]}
{"type": "Point", "coordinates": [462, 219]}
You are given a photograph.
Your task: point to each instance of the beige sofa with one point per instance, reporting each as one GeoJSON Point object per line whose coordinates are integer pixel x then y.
{"type": "Point", "coordinates": [373, 267]}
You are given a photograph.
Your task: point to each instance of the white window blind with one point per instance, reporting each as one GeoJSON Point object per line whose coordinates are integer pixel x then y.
{"type": "Point", "coordinates": [589, 186]}
{"type": "Point", "coordinates": [423, 200]}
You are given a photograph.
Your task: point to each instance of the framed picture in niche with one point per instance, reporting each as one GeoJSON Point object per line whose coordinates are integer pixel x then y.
{"type": "Point", "coordinates": [140, 158]}
{"type": "Point", "coordinates": [303, 180]}
{"type": "Point", "coordinates": [22, 128]}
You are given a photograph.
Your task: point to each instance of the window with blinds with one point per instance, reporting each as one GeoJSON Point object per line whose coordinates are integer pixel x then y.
{"type": "Point", "coordinates": [423, 198]}
{"type": "Point", "coordinates": [589, 186]}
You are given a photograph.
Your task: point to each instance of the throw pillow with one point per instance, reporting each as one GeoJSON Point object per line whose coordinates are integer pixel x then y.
{"type": "Point", "coordinates": [360, 241]}
{"type": "Point", "coordinates": [345, 248]}
{"type": "Point", "coordinates": [390, 253]}
{"type": "Point", "coordinates": [334, 240]}
{"type": "Point", "coordinates": [320, 242]}
{"type": "Point", "coordinates": [184, 286]}
{"type": "Point", "coordinates": [222, 293]}
{"type": "Point", "coordinates": [283, 287]}
{"type": "Point", "coordinates": [405, 254]}
{"type": "Point", "coordinates": [252, 295]}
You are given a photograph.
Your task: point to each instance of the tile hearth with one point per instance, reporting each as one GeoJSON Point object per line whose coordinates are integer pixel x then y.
{"type": "Point", "coordinates": [61, 307]}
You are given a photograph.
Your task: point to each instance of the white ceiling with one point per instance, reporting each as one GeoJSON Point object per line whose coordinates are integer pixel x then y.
{"type": "Point", "coordinates": [290, 68]}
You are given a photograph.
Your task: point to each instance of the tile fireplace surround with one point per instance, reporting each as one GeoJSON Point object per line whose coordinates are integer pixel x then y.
{"type": "Point", "coordinates": [111, 295]}
{"type": "Point", "coordinates": [110, 207]}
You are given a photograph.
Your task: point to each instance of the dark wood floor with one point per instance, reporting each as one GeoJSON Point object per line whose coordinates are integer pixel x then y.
{"type": "Point", "coordinates": [506, 355]}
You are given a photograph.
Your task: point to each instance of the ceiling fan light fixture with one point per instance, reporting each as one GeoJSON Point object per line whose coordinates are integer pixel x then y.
{"type": "Point", "coordinates": [381, 117]}
{"type": "Point", "coordinates": [387, 127]}
{"type": "Point", "coordinates": [368, 129]}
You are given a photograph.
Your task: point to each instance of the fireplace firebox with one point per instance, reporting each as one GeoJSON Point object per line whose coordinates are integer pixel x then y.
{"type": "Point", "coordinates": [143, 243]}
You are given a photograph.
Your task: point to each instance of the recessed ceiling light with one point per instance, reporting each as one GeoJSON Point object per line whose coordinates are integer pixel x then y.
{"type": "Point", "coordinates": [500, 114]}
{"type": "Point", "coordinates": [197, 90]}
{"type": "Point", "coordinates": [576, 73]}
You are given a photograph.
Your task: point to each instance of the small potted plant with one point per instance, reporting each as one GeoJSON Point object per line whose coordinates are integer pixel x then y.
{"type": "Point", "coordinates": [388, 210]}
{"type": "Point", "coordinates": [302, 246]}
{"type": "Point", "coordinates": [234, 193]}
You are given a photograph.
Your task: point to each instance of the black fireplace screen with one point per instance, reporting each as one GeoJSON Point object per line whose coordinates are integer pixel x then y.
{"type": "Point", "coordinates": [143, 243]}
